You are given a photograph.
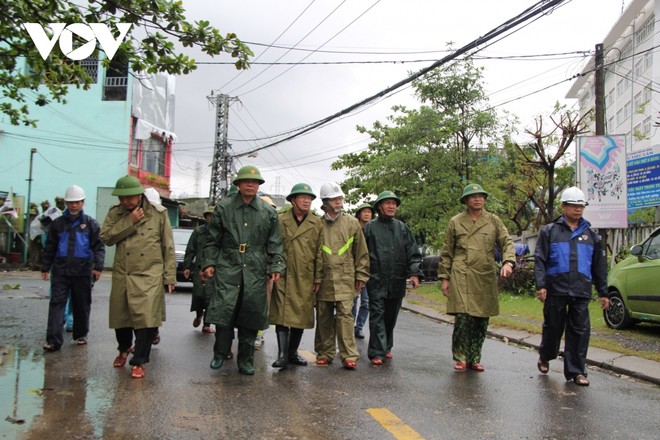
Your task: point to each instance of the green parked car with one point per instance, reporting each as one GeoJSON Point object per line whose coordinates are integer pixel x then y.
{"type": "Point", "coordinates": [634, 286]}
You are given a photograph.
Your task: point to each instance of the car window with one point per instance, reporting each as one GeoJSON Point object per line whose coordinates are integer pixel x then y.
{"type": "Point", "coordinates": [652, 250]}
{"type": "Point", "coordinates": [181, 237]}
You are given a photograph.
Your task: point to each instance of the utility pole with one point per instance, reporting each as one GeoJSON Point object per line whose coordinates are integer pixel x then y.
{"type": "Point", "coordinates": [222, 161]}
{"type": "Point", "coordinates": [599, 91]}
{"type": "Point", "coordinates": [198, 174]}
{"type": "Point", "coordinates": [26, 219]}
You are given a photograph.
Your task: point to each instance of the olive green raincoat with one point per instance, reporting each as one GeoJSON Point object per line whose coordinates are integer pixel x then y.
{"type": "Point", "coordinates": [342, 260]}
{"type": "Point", "coordinates": [192, 260]}
{"type": "Point", "coordinates": [144, 263]}
{"type": "Point", "coordinates": [292, 302]}
{"type": "Point", "coordinates": [467, 260]}
{"type": "Point", "coordinates": [245, 246]}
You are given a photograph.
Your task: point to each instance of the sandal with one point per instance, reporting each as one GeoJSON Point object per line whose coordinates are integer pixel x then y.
{"type": "Point", "coordinates": [543, 367]}
{"type": "Point", "coordinates": [581, 380]}
{"type": "Point", "coordinates": [376, 361]}
{"type": "Point", "coordinates": [323, 361]}
{"type": "Point", "coordinates": [137, 372]}
{"type": "Point", "coordinates": [156, 340]}
{"type": "Point", "coordinates": [350, 364]}
{"type": "Point", "coordinates": [389, 355]}
{"type": "Point", "coordinates": [120, 360]}
{"type": "Point", "coordinates": [50, 347]}
{"type": "Point", "coordinates": [208, 329]}
{"type": "Point", "coordinates": [478, 367]}
{"type": "Point", "coordinates": [81, 341]}
{"type": "Point", "coordinates": [460, 366]}
{"type": "Point", "coordinates": [197, 321]}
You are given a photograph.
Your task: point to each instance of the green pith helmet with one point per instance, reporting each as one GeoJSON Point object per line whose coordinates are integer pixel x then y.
{"type": "Point", "coordinates": [386, 195]}
{"type": "Point", "coordinates": [300, 188]}
{"type": "Point", "coordinates": [248, 172]}
{"type": "Point", "coordinates": [364, 206]}
{"type": "Point", "coordinates": [472, 188]}
{"type": "Point", "coordinates": [209, 210]}
{"type": "Point", "coordinates": [233, 189]}
{"type": "Point", "coordinates": [128, 186]}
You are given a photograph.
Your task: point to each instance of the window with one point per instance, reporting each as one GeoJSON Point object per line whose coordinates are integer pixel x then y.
{"type": "Point", "coordinates": [627, 50]}
{"type": "Point", "coordinates": [639, 68]}
{"type": "Point", "coordinates": [153, 155]}
{"type": "Point", "coordinates": [646, 126]}
{"type": "Point", "coordinates": [115, 87]}
{"type": "Point", "coordinates": [622, 85]}
{"type": "Point", "coordinates": [638, 100]}
{"type": "Point", "coordinates": [648, 93]}
{"type": "Point", "coordinates": [610, 124]}
{"type": "Point", "coordinates": [648, 59]}
{"type": "Point", "coordinates": [627, 110]}
{"type": "Point", "coordinates": [645, 30]}
{"type": "Point", "coordinates": [619, 117]}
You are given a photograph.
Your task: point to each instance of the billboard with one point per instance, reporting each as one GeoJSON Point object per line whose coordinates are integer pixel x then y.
{"type": "Point", "coordinates": [602, 177]}
{"type": "Point", "coordinates": [644, 178]}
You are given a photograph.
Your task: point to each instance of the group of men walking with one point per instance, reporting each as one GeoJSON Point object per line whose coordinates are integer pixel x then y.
{"type": "Point", "coordinates": [316, 264]}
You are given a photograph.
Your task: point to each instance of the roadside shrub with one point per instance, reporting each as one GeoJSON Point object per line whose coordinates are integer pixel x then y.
{"type": "Point", "coordinates": [521, 281]}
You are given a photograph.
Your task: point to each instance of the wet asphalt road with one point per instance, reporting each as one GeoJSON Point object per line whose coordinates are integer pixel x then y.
{"type": "Point", "coordinates": [77, 394]}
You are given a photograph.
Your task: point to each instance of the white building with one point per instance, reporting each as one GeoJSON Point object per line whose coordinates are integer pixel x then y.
{"type": "Point", "coordinates": [631, 79]}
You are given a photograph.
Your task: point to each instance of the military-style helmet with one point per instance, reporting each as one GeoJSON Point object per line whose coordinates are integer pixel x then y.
{"type": "Point", "coordinates": [300, 188]}
{"type": "Point", "coordinates": [209, 210]}
{"type": "Point", "coordinates": [386, 195]}
{"type": "Point", "coordinates": [330, 190]}
{"type": "Point", "coordinates": [364, 206]}
{"type": "Point", "coordinates": [573, 196]}
{"type": "Point", "coordinates": [248, 172]}
{"type": "Point", "coordinates": [472, 188]}
{"type": "Point", "coordinates": [128, 186]}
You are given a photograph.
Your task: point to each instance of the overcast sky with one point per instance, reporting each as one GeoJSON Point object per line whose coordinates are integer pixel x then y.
{"type": "Point", "coordinates": [275, 99]}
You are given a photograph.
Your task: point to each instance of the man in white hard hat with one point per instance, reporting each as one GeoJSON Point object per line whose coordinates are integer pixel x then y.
{"type": "Point", "coordinates": [73, 253]}
{"type": "Point", "coordinates": [568, 260]}
{"type": "Point", "coordinates": [342, 270]}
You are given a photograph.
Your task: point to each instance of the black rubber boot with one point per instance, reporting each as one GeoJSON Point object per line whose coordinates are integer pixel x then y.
{"type": "Point", "coordinates": [282, 349]}
{"type": "Point", "coordinates": [294, 343]}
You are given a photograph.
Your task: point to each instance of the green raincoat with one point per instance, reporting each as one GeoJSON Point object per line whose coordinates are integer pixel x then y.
{"type": "Point", "coordinates": [292, 301]}
{"type": "Point", "coordinates": [144, 263]}
{"type": "Point", "coordinates": [467, 260]}
{"type": "Point", "coordinates": [192, 261]}
{"type": "Point", "coordinates": [245, 246]}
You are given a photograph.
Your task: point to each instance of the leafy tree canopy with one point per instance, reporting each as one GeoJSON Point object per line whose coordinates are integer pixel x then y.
{"type": "Point", "coordinates": [149, 46]}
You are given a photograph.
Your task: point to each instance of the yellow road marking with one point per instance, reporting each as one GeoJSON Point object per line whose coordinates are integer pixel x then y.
{"type": "Point", "coordinates": [393, 424]}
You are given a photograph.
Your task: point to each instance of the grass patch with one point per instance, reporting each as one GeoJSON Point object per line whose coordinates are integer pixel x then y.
{"type": "Point", "coordinates": [525, 313]}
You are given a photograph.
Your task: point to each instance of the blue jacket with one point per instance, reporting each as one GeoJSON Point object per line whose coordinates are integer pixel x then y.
{"type": "Point", "coordinates": [568, 262]}
{"type": "Point", "coordinates": [73, 246]}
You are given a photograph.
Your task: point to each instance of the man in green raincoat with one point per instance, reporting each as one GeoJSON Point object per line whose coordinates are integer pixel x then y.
{"type": "Point", "coordinates": [244, 247]}
{"type": "Point", "coordinates": [468, 272]}
{"type": "Point", "coordinates": [192, 261]}
{"type": "Point", "coordinates": [292, 302]}
{"type": "Point", "coordinates": [144, 263]}
{"type": "Point", "coordinates": [393, 258]}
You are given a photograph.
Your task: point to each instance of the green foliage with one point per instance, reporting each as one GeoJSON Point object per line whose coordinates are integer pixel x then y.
{"type": "Point", "coordinates": [160, 22]}
{"type": "Point", "coordinates": [643, 215]}
{"type": "Point", "coordinates": [521, 281]}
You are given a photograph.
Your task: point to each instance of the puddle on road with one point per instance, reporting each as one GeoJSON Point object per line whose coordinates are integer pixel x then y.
{"type": "Point", "coordinates": [36, 396]}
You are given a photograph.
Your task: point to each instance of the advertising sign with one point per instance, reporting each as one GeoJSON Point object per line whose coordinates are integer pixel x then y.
{"type": "Point", "coordinates": [644, 178]}
{"type": "Point", "coordinates": [602, 174]}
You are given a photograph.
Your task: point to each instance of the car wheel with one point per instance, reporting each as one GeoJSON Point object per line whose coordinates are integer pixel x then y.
{"type": "Point", "coordinates": [617, 316]}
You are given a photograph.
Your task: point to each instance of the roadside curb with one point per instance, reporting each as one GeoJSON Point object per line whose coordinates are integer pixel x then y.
{"type": "Point", "coordinates": [633, 366]}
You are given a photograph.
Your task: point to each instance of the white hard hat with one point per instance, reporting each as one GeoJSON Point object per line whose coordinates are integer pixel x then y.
{"type": "Point", "coordinates": [74, 193]}
{"type": "Point", "coordinates": [573, 196]}
{"type": "Point", "coordinates": [330, 190]}
{"type": "Point", "coordinates": [152, 195]}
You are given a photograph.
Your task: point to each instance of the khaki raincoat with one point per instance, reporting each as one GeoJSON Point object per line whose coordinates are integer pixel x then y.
{"type": "Point", "coordinates": [144, 263]}
{"type": "Point", "coordinates": [245, 246]}
{"type": "Point", "coordinates": [342, 260]}
{"type": "Point", "coordinates": [292, 302]}
{"type": "Point", "coordinates": [467, 260]}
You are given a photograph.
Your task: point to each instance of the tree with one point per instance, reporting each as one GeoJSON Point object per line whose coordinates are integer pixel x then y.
{"type": "Point", "coordinates": [162, 23]}
{"type": "Point", "coordinates": [427, 155]}
{"type": "Point", "coordinates": [543, 165]}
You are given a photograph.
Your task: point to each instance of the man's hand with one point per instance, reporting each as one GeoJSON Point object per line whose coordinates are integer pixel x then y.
{"type": "Point", "coordinates": [604, 302]}
{"type": "Point", "coordinates": [170, 288]}
{"type": "Point", "coordinates": [136, 215]}
{"type": "Point", "coordinates": [275, 276]}
{"type": "Point", "coordinates": [507, 269]}
{"type": "Point", "coordinates": [316, 288]}
{"type": "Point", "coordinates": [208, 273]}
{"type": "Point", "coordinates": [186, 273]}
{"type": "Point", "coordinates": [359, 285]}
{"type": "Point", "coordinates": [96, 274]}
{"type": "Point", "coordinates": [45, 276]}
{"type": "Point", "coordinates": [414, 281]}
{"type": "Point", "coordinates": [542, 294]}
{"type": "Point", "coordinates": [445, 287]}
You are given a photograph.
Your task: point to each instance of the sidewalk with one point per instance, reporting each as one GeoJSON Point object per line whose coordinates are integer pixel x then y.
{"type": "Point", "coordinates": [628, 365]}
